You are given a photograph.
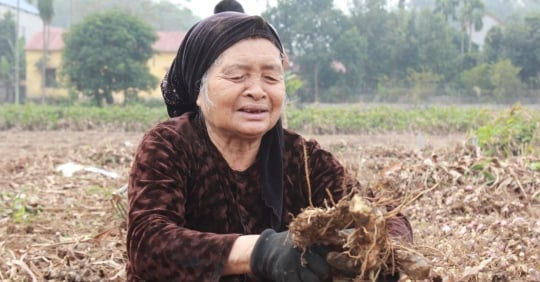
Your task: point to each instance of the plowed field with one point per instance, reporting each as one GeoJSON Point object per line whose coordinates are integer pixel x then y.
{"type": "Point", "coordinates": [478, 219]}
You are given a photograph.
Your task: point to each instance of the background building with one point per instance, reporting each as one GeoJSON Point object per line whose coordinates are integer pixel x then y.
{"type": "Point", "coordinates": [165, 49]}
{"type": "Point", "coordinates": [29, 20]}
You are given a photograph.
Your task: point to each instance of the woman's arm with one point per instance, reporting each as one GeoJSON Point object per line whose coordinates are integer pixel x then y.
{"type": "Point", "coordinates": [159, 246]}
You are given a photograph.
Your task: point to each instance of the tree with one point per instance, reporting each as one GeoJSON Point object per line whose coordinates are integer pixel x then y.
{"type": "Point", "coordinates": [471, 15]}
{"type": "Point", "coordinates": [519, 42]}
{"type": "Point", "coordinates": [493, 44]}
{"type": "Point", "coordinates": [9, 44]}
{"type": "Point", "coordinates": [435, 47]}
{"type": "Point", "coordinates": [351, 51]}
{"type": "Point", "coordinates": [310, 38]}
{"type": "Point", "coordinates": [499, 80]}
{"type": "Point", "coordinates": [108, 53]}
{"type": "Point", "coordinates": [46, 13]}
{"type": "Point", "coordinates": [423, 84]}
{"type": "Point", "coordinates": [404, 45]}
{"type": "Point", "coordinates": [529, 57]}
{"type": "Point", "coordinates": [7, 53]}
{"type": "Point", "coordinates": [501, 9]}
{"type": "Point", "coordinates": [162, 15]}
{"type": "Point", "coordinates": [477, 80]}
{"type": "Point", "coordinates": [447, 8]}
{"type": "Point", "coordinates": [468, 13]}
{"type": "Point", "coordinates": [373, 22]}
{"type": "Point", "coordinates": [505, 80]}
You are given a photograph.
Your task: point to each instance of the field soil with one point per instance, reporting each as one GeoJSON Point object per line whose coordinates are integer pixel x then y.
{"type": "Point", "coordinates": [62, 217]}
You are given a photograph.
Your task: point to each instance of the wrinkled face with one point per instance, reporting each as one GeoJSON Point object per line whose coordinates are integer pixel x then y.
{"type": "Point", "coordinates": [244, 93]}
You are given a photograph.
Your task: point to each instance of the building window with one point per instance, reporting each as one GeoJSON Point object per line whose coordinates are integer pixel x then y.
{"type": "Point", "coordinates": [50, 78]}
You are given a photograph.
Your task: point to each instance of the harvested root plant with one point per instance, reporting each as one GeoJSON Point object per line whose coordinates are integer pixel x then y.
{"type": "Point", "coordinates": [355, 231]}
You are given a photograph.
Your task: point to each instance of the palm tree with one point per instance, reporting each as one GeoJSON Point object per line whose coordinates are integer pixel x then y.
{"type": "Point", "coordinates": [46, 13]}
{"type": "Point", "coordinates": [447, 8]}
{"type": "Point", "coordinates": [472, 12]}
{"type": "Point", "coordinates": [469, 17]}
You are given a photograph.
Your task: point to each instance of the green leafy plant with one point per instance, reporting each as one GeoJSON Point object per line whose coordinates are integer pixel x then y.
{"type": "Point", "coordinates": [48, 117]}
{"type": "Point", "coordinates": [316, 119]}
{"type": "Point", "coordinates": [512, 133]}
{"type": "Point", "coordinates": [535, 166]}
{"type": "Point", "coordinates": [292, 84]}
{"type": "Point", "coordinates": [16, 206]}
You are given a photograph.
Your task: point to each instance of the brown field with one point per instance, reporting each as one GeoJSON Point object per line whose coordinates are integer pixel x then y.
{"type": "Point", "coordinates": [478, 219]}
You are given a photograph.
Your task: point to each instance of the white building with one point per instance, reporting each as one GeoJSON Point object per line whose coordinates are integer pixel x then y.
{"type": "Point", "coordinates": [488, 21]}
{"type": "Point", "coordinates": [29, 20]}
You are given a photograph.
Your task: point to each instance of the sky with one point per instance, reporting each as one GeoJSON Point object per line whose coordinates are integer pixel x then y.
{"type": "Point", "coordinates": [204, 8]}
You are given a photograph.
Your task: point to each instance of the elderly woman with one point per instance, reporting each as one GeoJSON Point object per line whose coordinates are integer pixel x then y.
{"type": "Point", "coordinates": [212, 190]}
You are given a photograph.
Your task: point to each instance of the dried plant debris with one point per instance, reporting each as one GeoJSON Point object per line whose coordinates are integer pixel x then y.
{"type": "Point", "coordinates": [355, 231]}
{"type": "Point", "coordinates": [475, 217]}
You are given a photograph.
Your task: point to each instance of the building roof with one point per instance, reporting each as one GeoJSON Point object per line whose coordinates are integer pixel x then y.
{"type": "Point", "coordinates": [55, 40]}
{"type": "Point", "coordinates": [23, 5]}
{"type": "Point", "coordinates": [168, 41]}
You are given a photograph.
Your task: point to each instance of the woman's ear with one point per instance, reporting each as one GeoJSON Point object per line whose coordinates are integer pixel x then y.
{"type": "Point", "coordinates": [285, 62]}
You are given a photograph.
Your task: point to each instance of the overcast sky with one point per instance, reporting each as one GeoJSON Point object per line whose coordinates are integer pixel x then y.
{"type": "Point", "coordinates": [204, 8]}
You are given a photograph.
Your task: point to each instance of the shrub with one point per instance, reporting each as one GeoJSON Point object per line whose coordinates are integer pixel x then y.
{"type": "Point", "coordinates": [513, 132]}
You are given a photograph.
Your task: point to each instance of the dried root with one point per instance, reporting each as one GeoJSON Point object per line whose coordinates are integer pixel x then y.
{"type": "Point", "coordinates": [355, 232]}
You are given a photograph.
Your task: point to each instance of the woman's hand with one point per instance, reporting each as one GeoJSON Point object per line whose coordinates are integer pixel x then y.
{"type": "Point", "coordinates": [275, 258]}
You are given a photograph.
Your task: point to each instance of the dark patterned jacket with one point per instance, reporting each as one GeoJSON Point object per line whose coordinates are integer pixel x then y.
{"type": "Point", "coordinates": [187, 206]}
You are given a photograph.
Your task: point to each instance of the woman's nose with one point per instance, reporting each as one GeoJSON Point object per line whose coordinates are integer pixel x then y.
{"type": "Point", "coordinates": [255, 89]}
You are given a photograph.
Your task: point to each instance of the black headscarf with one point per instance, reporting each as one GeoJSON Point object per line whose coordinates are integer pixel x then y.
{"type": "Point", "coordinates": [201, 46]}
{"type": "Point", "coordinates": [228, 5]}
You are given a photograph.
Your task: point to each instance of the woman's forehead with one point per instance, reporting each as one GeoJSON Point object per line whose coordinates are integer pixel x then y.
{"type": "Point", "coordinates": [247, 52]}
{"type": "Point", "coordinates": [251, 47]}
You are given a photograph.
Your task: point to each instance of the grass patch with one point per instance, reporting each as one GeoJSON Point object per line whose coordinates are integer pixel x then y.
{"type": "Point", "coordinates": [348, 119]}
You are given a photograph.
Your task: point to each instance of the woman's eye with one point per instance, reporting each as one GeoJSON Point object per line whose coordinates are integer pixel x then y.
{"type": "Point", "coordinates": [272, 78]}
{"type": "Point", "coordinates": [236, 77]}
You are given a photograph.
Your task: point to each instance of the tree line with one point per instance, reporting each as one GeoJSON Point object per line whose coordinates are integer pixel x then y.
{"type": "Point", "coordinates": [161, 15]}
{"type": "Point", "coordinates": [408, 53]}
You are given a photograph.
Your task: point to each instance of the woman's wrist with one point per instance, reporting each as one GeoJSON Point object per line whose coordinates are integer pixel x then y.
{"type": "Point", "coordinates": [240, 255]}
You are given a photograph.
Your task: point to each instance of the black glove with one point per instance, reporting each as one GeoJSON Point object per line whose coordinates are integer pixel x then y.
{"type": "Point", "coordinates": [275, 258]}
{"type": "Point", "coordinates": [388, 277]}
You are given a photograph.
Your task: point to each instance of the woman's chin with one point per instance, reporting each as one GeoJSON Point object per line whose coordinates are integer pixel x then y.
{"type": "Point", "coordinates": [254, 131]}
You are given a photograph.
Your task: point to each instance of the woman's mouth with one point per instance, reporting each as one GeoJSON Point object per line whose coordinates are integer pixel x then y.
{"type": "Point", "coordinates": [253, 111]}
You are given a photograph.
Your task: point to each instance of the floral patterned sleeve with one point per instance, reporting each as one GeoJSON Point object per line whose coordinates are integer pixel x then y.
{"type": "Point", "coordinates": [159, 245]}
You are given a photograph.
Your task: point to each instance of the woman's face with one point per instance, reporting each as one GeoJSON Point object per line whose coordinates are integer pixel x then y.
{"type": "Point", "coordinates": [245, 90]}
